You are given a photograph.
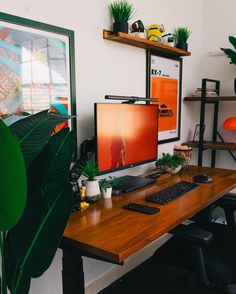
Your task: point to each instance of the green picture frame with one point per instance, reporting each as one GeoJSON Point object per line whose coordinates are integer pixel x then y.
{"type": "Point", "coordinates": [37, 69]}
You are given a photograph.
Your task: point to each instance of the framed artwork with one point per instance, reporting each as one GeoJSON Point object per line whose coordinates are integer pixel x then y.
{"type": "Point", "coordinates": [164, 82]}
{"type": "Point", "coordinates": [196, 134]}
{"type": "Point", "coordinates": [37, 69]}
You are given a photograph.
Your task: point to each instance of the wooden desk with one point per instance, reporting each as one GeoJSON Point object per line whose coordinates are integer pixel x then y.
{"type": "Point", "coordinates": [112, 233]}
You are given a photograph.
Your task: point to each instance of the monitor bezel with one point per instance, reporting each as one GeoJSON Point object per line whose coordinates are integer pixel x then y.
{"type": "Point", "coordinates": [96, 143]}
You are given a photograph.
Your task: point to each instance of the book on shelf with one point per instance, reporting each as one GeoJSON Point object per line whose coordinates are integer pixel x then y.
{"type": "Point", "coordinates": [208, 93]}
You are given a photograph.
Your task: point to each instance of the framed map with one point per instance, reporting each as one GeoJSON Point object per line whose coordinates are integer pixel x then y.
{"type": "Point", "coordinates": [36, 69]}
{"type": "Point", "coordinates": [164, 82]}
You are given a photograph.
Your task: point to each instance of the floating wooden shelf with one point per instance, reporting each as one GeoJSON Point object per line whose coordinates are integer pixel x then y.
{"type": "Point", "coordinates": [213, 145]}
{"type": "Point", "coordinates": [212, 99]}
{"type": "Point", "coordinates": [143, 43]}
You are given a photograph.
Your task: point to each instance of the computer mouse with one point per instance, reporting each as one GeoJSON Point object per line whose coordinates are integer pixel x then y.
{"type": "Point", "coordinates": [202, 178]}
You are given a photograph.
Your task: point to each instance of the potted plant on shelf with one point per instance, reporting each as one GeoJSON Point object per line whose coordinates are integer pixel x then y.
{"type": "Point", "coordinates": [90, 170]}
{"type": "Point", "coordinates": [106, 186]}
{"type": "Point", "coordinates": [181, 36]}
{"type": "Point", "coordinates": [231, 54]}
{"type": "Point", "coordinates": [170, 163]}
{"type": "Point", "coordinates": [121, 12]}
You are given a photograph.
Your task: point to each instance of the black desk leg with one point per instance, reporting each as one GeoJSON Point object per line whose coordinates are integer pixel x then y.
{"type": "Point", "coordinates": [72, 272]}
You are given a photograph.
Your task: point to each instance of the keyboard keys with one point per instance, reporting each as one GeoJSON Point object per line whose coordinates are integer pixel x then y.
{"type": "Point", "coordinates": [171, 193]}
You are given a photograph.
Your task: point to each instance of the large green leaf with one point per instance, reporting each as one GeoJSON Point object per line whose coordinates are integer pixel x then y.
{"type": "Point", "coordinates": [230, 54]}
{"type": "Point", "coordinates": [48, 207]}
{"type": "Point", "coordinates": [232, 40]}
{"type": "Point", "coordinates": [13, 183]}
{"type": "Point", "coordinates": [34, 131]}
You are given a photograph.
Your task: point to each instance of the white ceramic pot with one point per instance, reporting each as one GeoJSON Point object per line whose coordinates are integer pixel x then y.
{"type": "Point", "coordinates": [92, 191]}
{"type": "Point", "coordinates": [171, 170]}
{"type": "Point", "coordinates": [107, 193]}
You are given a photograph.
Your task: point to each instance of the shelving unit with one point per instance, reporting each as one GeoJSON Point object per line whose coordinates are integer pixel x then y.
{"type": "Point", "coordinates": [131, 40]}
{"type": "Point", "coordinates": [214, 144]}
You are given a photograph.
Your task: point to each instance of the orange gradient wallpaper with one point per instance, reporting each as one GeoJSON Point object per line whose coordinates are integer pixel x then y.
{"type": "Point", "coordinates": [126, 135]}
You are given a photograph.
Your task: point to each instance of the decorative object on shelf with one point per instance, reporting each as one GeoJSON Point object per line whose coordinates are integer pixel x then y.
{"type": "Point", "coordinates": [169, 39]}
{"type": "Point", "coordinates": [184, 151]}
{"type": "Point", "coordinates": [208, 93]}
{"type": "Point", "coordinates": [155, 32]}
{"type": "Point", "coordinates": [170, 163]}
{"type": "Point", "coordinates": [164, 82]}
{"type": "Point", "coordinates": [38, 69]}
{"type": "Point", "coordinates": [30, 243]}
{"type": "Point", "coordinates": [137, 28]}
{"type": "Point", "coordinates": [230, 124]}
{"type": "Point", "coordinates": [122, 12]}
{"type": "Point", "coordinates": [197, 132]}
{"type": "Point", "coordinates": [181, 36]}
{"type": "Point", "coordinates": [106, 186]}
{"type": "Point", "coordinates": [90, 170]}
{"type": "Point", "coordinates": [231, 54]}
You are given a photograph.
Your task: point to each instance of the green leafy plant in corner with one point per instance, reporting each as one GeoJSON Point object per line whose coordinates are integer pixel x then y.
{"type": "Point", "coordinates": [182, 34]}
{"type": "Point", "coordinates": [37, 164]}
{"type": "Point", "coordinates": [89, 169]}
{"type": "Point", "coordinates": [121, 11]}
{"type": "Point", "coordinates": [108, 183]}
{"type": "Point", "coordinates": [172, 161]}
{"type": "Point", "coordinates": [231, 54]}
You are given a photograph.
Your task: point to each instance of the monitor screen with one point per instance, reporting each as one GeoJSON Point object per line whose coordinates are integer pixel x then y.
{"type": "Point", "coordinates": [126, 135]}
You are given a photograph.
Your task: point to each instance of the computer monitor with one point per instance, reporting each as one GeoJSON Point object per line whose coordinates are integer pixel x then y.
{"type": "Point", "coordinates": [126, 135]}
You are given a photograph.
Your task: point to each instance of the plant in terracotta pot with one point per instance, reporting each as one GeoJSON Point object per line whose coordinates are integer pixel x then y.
{"type": "Point", "coordinates": [106, 186]}
{"type": "Point", "coordinates": [90, 170]}
{"type": "Point", "coordinates": [121, 12]}
{"type": "Point", "coordinates": [170, 163]}
{"type": "Point", "coordinates": [231, 54]}
{"type": "Point", "coordinates": [181, 36]}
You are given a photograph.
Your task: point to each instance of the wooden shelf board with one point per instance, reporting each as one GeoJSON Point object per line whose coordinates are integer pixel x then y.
{"type": "Point", "coordinates": [142, 43]}
{"type": "Point", "coordinates": [212, 99]}
{"type": "Point", "coordinates": [213, 145]}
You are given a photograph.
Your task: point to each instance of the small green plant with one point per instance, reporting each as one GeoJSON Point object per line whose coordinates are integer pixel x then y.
{"type": "Point", "coordinates": [182, 34]}
{"type": "Point", "coordinates": [121, 11]}
{"type": "Point", "coordinates": [172, 161]}
{"type": "Point", "coordinates": [230, 52]}
{"type": "Point", "coordinates": [105, 184]}
{"type": "Point", "coordinates": [89, 169]}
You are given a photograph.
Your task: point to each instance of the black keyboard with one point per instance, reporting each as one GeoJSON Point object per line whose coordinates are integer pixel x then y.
{"type": "Point", "coordinates": [171, 193]}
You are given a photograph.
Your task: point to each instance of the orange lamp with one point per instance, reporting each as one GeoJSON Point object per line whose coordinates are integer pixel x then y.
{"type": "Point", "coordinates": [230, 124]}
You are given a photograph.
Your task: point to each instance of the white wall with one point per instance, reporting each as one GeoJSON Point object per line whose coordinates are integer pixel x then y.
{"type": "Point", "coordinates": [219, 23]}
{"type": "Point", "coordinates": [104, 67]}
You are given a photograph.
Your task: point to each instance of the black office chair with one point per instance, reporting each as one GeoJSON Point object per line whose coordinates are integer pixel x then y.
{"type": "Point", "coordinates": [167, 279]}
{"type": "Point", "coordinates": [152, 279]}
{"type": "Point", "coordinates": [217, 259]}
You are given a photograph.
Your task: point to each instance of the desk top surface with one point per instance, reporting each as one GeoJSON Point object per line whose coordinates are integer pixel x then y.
{"type": "Point", "coordinates": [113, 233]}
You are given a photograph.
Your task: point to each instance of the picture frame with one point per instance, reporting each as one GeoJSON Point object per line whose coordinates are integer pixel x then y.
{"type": "Point", "coordinates": [197, 132]}
{"type": "Point", "coordinates": [164, 81]}
{"type": "Point", "coordinates": [37, 69]}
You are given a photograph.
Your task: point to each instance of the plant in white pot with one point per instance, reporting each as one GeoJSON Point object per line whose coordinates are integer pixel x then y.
{"type": "Point", "coordinates": [90, 170]}
{"type": "Point", "coordinates": [106, 186]}
{"type": "Point", "coordinates": [170, 163]}
{"type": "Point", "coordinates": [121, 12]}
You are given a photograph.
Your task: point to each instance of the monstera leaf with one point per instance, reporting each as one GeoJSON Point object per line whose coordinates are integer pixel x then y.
{"type": "Point", "coordinates": [34, 131]}
{"type": "Point", "coordinates": [13, 186]}
{"type": "Point", "coordinates": [32, 243]}
{"type": "Point", "coordinates": [231, 54]}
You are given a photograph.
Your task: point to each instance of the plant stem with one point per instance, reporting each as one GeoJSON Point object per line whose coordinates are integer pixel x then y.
{"type": "Point", "coordinates": [2, 243]}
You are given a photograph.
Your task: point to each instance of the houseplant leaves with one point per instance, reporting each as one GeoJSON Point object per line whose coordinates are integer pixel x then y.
{"type": "Point", "coordinates": [34, 131]}
{"type": "Point", "coordinates": [13, 179]}
{"type": "Point", "coordinates": [48, 206]}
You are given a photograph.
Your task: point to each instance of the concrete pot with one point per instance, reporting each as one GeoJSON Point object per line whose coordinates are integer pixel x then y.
{"type": "Point", "coordinates": [92, 191]}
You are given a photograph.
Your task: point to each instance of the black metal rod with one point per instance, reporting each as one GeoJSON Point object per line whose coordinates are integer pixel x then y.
{"type": "Point", "coordinates": [202, 121]}
{"type": "Point", "coordinates": [130, 98]}
{"type": "Point", "coordinates": [230, 152]}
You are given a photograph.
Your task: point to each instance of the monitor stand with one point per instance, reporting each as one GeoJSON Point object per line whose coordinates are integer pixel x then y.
{"type": "Point", "coordinates": [131, 183]}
